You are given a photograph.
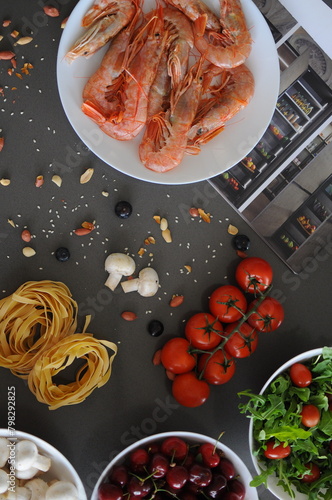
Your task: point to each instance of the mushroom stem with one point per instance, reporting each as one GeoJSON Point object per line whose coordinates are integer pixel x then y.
{"type": "Point", "coordinates": [113, 280]}
{"type": "Point", "coordinates": [130, 285]}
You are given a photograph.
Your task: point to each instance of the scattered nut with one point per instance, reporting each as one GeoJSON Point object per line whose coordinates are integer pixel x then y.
{"type": "Point", "coordinates": [11, 222]}
{"type": "Point", "coordinates": [63, 23]}
{"type": "Point", "coordinates": [24, 40]}
{"type": "Point", "coordinates": [194, 212]}
{"type": "Point", "coordinates": [86, 176]}
{"type": "Point", "coordinates": [4, 182]}
{"type": "Point", "coordinates": [232, 229]}
{"type": "Point", "coordinates": [51, 11]}
{"type": "Point", "coordinates": [188, 268]}
{"type": "Point", "coordinates": [88, 225]}
{"type": "Point", "coordinates": [105, 193]}
{"type": "Point", "coordinates": [26, 235]}
{"type": "Point", "coordinates": [57, 180]}
{"type": "Point", "coordinates": [128, 315]}
{"type": "Point", "coordinates": [141, 251]}
{"type": "Point", "coordinates": [157, 218]}
{"type": "Point", "coordinates": [176, 300]}
{"type": "Point", "coordinates": [2, 143]}
{"type": "Point", "coordinates": [163, 224]}
{"type": "Point", "coordinates": [6, 23]}
{"type": "Point", "coordinates": [7, 55]}
{"type": "Point", "coordinates": [150, 240]}
{"type": "Point", "coordinates": [82, 231]}
{"type": "Point", "coordinates": [39, 181]}
{"type": "Point", "coordinates": [166, 234]}
{"type": "Point", "coordinates": [28, 252]}
{"type": "Point", "coordinates": [14, 34]}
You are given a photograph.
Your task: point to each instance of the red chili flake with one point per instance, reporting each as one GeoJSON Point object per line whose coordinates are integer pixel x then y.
{"type": "Point", "coordinates": [2, 143]}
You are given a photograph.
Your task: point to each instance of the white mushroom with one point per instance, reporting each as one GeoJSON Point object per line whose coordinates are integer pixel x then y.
{"type": "Point", "coordinates": [146, 284]}
{"type": "Point", "coordinates": [9, 495]}
{"type": "Point", "coordinates": [22, 493]}
{"type": "Point", "coordinates": [4, 450]}
{"type": "Point", "coordinates": [27, 456]}
{"type": "Point", "coordinates": [118, 265]}
{"type": "Point", "coordinates": [62, 490]}
{"type": "Point", "coordinates": [27, 473]}
{"type": "Point", "coordinates": [3, 481]}
{"type": "Point", "coordinates": [38, 488]}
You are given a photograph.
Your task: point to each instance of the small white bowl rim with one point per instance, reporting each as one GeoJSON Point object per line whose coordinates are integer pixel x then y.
{"type": "Point", "coordinates": [51, 451]}
{"type": "Point", "coordinates": [241, 468]}
{"type": "Point", "coordinates": [271, 482]}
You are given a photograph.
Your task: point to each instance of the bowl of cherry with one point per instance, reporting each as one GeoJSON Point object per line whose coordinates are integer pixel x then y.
{"type": "Point", "coordinates": [175, 465]}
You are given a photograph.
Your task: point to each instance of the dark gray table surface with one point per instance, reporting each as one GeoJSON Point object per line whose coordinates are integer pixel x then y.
{"type": "Point", "coordinates": [137, 400]}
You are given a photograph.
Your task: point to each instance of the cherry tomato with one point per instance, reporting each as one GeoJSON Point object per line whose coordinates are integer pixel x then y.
{"type": "Point", "coordinates": [313, 474]}
{"type": "Point", "coordinates": [254, 274]}
{"type": "Point", "coordinates": [276, 452]}
{"type": "Point", "coordinates": [300, 375]}
{"type": "Point", "coordinates": [203, 331]}
{"type": "Point", "coordinates": [310, 415]}
{"type": "Point", "coordinates": [218, 368]}
{"type": "Point", "coordinates": [268, 316]}
{"type": "Point", "coordinates": [189, 391]}
{"type": "Point", "coordinates": [227, 303]}
{"type": "Point", "coordinates": [175, 356]}
{"type": "Point", "coordinates": [243, 342]}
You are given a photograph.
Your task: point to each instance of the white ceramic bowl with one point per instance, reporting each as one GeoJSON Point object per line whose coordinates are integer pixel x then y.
{"type": "Point", "coordinates": [273, 480]}
{"type": "Point", "coordinates": [189, 437]}
{"type": "Point", "coordinates": [239, 137]}
{"type": "Point", "coordinates": [60, 469]}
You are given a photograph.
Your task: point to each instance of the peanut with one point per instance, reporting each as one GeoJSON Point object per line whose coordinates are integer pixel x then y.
{"type": "Point", "coordinates": [176, 300]}
{"type": "Point", "coordinates": [6, 55]}
{"type": "Point", "coordinates": [51, 11]}
{"type": "Point", "coordinates": [128, 315]}
{"type": "Point", "coordinates": [26, 235]}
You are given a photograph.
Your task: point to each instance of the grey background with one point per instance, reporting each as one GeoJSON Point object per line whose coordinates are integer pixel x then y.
{"type": "Point", "coordinates": [136, 401]}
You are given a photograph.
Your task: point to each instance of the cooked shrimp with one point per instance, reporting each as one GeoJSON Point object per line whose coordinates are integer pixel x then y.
{"type": "Point", "coordinates": [228, 48]}
{"type": "Point", "coordinates": [194, 9]}
{"type": "Point", "coordinates": [135, 88]}
{"type": "Point", "coordinates": [110, 71]}
{"type": "Point", "coordinates": [165, 138]}
{"type": "Point", "coordinates": [104, 21]}
{"type": "Point", "coordinates": [160, 89]}
{"type": "Point", "coordinates": [215, 111]}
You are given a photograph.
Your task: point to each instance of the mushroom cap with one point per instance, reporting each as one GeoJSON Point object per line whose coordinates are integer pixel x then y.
{"type": "Point", "coordinates": [120, 263]}
{"type": "Point", "coordinates": [62, 490]}
{"type": "Point", "coordinates": [3, 481]}
{"type": "Point", "coordinates": [26, 454]}
{"type": "Point", "coordinates": [4, 450]}
{"type": "Point", "coordinates": [148, 282]}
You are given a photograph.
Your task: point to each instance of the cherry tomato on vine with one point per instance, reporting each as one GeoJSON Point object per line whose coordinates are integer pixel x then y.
{"type": "Point", "coordinates": [227, 303]}
{"type": "Point", "coordinates": [216, 369]}
{"type": "Point", "coordinates": [189, 391]}
{"type": "Point", "coordinates": [313, 473]}
{"type": "Point", "coordinates": [268, 316]}
{"type": "Point", "coordinates": [243, 342]}
{"type": "Point", "coordinates": [254, 274]}
{"type": "Point", "coordinates": [275, 452]}
{"type": "Point", "coordinates": [175, 356]}
{"type": "Point", "coordinates": [310, 415]}
{"type": "Point", "coordinates": [203, 331]}
{"type": "Point", "coordinates": [300, 375]}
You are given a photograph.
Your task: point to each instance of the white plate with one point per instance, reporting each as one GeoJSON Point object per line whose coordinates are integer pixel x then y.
{"type": "Point", "coordinates": [60, 469]}
{"type": "Point", "coordinates": [239, 137]}
{"type": "Point", "coordinates": [272, 481]}
{"type": "Point", "coordinates": [190, 437]}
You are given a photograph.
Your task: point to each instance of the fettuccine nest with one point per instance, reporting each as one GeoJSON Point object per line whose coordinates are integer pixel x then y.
{"type": "Point", "coordinates": [38, 340]}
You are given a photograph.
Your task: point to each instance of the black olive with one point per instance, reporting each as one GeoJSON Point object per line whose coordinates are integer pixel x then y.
{"type": "Point", "coordinates": [241, 242]}
{"type": "Point", "coordinates": [155, 328]}
{"type": "Point", "coordinates": [62, 254]}
{"type": "Point", "coordinates": [123, 209]}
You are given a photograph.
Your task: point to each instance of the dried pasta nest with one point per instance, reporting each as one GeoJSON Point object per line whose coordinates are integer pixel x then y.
{"type": "Point", "coordinates": [33, 319]}
{"type": "Point", "coordinates": [95, 371]}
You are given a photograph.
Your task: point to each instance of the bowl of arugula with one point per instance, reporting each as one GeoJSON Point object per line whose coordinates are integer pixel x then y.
{"type": "Point", "coordinates": [290, 432]}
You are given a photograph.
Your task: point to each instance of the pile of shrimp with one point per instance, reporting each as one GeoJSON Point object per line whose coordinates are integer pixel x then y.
{"type": "Point", "coordinates": [177, 72]}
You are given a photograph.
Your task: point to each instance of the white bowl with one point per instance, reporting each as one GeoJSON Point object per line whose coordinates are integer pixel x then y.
{"type": "Point", "coordinates": [273, 480]}
{"type": "Point", "coordinates": [239, 137]}
{"type": "Point", "coordinates": [189, 437]}
{"type": "Point", "coordinates": [60, 469]}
